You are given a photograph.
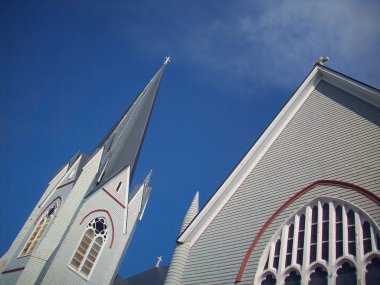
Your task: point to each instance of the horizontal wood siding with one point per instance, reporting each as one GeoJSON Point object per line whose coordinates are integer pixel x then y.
{"type": "Point", "coordinates": [11, 257]}
{"type": "Point", "coordinates": [177, 264]}
{"type": "Point", "coordinates": [333, 136]}
{"type": "Point", "coordinates": [112, 252]}
{"type": "Point", "coordinates": [60, 224]}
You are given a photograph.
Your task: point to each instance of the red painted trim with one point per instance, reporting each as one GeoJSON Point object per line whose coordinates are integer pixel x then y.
{"type": "Point", "coordinates": [63, 185]}
{"type": "Point", "coordinates": [13, 270]}
{"type": "Point", "coordinates": [105, 211]}
{"type": "Point", "coordinates": [58, 198]}
{"type": "Point", "coordinates": [342, 184]}
{"type": "Point", "coordinates": [117, 201]}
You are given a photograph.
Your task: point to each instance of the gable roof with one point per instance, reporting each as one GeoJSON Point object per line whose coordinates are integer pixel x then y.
{"type": "Point", "coordinates": [250, 160]}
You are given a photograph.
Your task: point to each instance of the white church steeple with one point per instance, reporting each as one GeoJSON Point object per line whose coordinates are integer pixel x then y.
{"type": "Point", "coordinates": [95, 213]}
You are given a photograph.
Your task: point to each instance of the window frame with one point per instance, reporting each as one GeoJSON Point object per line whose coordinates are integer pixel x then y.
{"type": "Point", "coordinates": [43, 216]}
{"type": "Point", "coordinates": [78, 270]}
{"type": "Point", "coordinates": [332, 264]}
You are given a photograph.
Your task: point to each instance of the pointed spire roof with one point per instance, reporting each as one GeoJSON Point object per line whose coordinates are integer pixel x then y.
{"type": "Point", "coordinates": [191, 213]}
{"type": "Point", "coordinates": [123, 142]}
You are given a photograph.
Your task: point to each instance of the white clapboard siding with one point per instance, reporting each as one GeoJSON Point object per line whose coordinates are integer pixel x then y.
{"type": "Point", "coordinates": [57, 230]}
{"type": "Point", "coordinates": [110, 257]}
{"type": "Point", "coordinates": [11, 260]}
{"type": "Point", "coordinates": [334, 136]}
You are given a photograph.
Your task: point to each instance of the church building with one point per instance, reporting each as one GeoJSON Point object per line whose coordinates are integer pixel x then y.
{"type": "Point", "coordinates": [303, 205]}
{"type": "Point", "coordinates": [80, 229]}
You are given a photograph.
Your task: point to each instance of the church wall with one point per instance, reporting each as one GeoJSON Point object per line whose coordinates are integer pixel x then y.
{"type": "Point", "coordinates": [59, 241]}
{"type": "Point", "coordinates": [60, 224]}
{"type": "Point", "coordinates": [99, 204]}
{"type": "Point", "coordinates": [21, 262]}
{"type": "Point", "coordinates": [57, 191]}
{"type": "Point", "coordinates": [335, 136]}
{"type": "Point", "coordinates": [13, 261]}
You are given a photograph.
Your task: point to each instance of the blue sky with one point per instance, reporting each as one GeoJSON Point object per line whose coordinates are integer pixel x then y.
{"type": "Point", "coordinates": [70, 68]}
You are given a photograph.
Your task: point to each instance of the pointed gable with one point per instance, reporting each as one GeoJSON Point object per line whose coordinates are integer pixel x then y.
{"type": "Point", "coordinates": [323, 143]}
{"type": "Point", "coordinates": [318, 74]}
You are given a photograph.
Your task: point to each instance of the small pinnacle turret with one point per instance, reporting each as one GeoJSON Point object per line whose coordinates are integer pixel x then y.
{"type": "Point", "coordinates": [181, 251]}
{"type": "Point", "coordinates": [191, 212]}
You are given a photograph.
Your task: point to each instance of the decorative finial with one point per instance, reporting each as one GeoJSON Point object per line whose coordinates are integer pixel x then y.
{"type": "Point", "coordinates": [167, 60]}
{"type": "Point", "coordinates": [321, 60]}
{"type": "Point", "coordinates": [159, 260]}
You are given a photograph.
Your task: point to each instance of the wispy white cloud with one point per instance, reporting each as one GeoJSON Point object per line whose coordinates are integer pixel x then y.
{"type": "Point", "coordinates": [258, 44]}
{"type": "Point", "coordinates": [279, 40]}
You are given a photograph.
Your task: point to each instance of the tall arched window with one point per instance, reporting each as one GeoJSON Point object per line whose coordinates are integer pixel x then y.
{"type": "Point", "coordinates": [346, 275]}
{"type": "Point", "coordinates": [372, 276]}
{"type": "Point", "coordinates": [90, 246]}
{"type": "Point", "coordinates": [327, 235]}
{"type": "Point", "coordinates": [269, 280]}
{"type": "Point", "coordinates": [293, 279]}
{"type": "Point", "coordinates": [318, 277]}
{"type": "Point", "coordinates": [39, 230]}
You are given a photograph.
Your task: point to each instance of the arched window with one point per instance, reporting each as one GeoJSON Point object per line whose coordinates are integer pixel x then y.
{"type": "Point", "coordinates": [346, 275]}
{"type": "Point", "coordinates": [325, 232]}
{"type": "Point", "coordinates": [316, 239]}
{"type": "Point", "coordinates": [338, 232]}
{"type": "Point", "coordinates": [301, 238]}
{"type": "Point", "coordinates": [39, 230]}
{"type": "Point", "coordinates": [269, 280]}
{"type": "Point", "coordinates": [277, 254]}
{"type": "Point", "coordinates": [289, 248]}
{"type": "Point", "coordinates": [293, 279]}
{"type": "Point", "coordinates": [90, 246]}
{"type": "Point", "coordinates": [313, 235]}
{"type": "Point", "coordinates": [351, 232]}
{"type": "Point", "coordinates": [372, 276]}
{"type": "Point", "coordinates": [318, 277]}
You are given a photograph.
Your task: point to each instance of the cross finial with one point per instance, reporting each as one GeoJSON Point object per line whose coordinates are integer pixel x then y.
{"type": "Point", "coordinates": [159, 260]}
{"type": "Point", "coordinates": [167, 60]}
{"type": "Point", "coordinates": [321, 60]}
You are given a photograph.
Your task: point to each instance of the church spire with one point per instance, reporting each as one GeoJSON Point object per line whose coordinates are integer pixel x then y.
{"type": "Point", "coordinates": [123, 142]}
{"type": "Point", "coordinates": [191, 212]}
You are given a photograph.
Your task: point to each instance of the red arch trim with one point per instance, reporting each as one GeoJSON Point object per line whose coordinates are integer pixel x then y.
{"type": "Point", "coordinates": [13, 270]}
{"type": "Point", "coordinates": [47, 207]}
{"type": "Point", "coordinates": [342, 184]}
{"type": "Point", "coordinates": [68, 183]}
{"type": "Point", "coordinates": [105, 211]}
{"type": "Point", "coordinates": [117, 201]}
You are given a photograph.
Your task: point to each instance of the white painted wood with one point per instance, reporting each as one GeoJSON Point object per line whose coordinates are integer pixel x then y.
{"type": "Point", "coordinates": [333, 135]}
{"type": "Point", "coordinates": [230, 186]}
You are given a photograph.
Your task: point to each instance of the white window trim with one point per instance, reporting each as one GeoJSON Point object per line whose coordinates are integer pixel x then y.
{"type": "Point", "coordinates": [360, 261]}
{"type": "Point", "coordinates": [43, 216]}
{"type": "Point", "coordinates": [77, 271]}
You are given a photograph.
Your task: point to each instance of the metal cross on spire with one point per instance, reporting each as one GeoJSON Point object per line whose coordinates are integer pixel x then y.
{"type": "Point", "coordinates": [167, 60]}
{"type": "Point", "coordinates": [159, 260]}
